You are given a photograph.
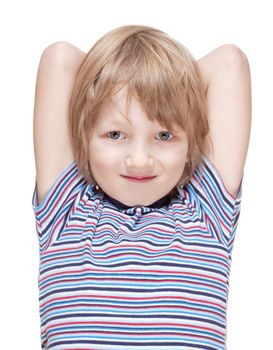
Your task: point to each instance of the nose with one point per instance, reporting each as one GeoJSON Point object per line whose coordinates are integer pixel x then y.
{"type": "Point", "coordinates": [139, 157]}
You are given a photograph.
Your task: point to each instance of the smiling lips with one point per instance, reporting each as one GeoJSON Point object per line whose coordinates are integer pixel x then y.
{"type": "Point", "coordinates": [139, 179]}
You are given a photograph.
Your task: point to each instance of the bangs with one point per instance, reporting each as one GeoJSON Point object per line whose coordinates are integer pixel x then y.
{"type": "Point", "coordinates": [158, 72]}
{"type": "Point", "coordinates": [153, 74]}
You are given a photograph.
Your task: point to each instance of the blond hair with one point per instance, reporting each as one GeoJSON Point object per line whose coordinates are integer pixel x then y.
{"type": "Point", "coordinates": [158, 70]}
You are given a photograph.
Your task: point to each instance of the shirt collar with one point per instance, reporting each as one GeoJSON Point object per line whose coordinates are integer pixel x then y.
{"type": "Point", "coordinates": [157, 204]}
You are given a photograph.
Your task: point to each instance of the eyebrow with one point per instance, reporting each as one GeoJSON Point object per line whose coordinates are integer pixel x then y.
{"type": "Point", "coordinates": [116, 120]}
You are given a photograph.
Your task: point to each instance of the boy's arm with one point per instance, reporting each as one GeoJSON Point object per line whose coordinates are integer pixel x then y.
{"type": "Point", "coordinates": [226, 75]}
{"type": "Point", "coordinates": [52, 146]}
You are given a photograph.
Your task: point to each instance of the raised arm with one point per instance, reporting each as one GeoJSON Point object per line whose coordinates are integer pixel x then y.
{"type": "Point", "coordinates": [226, 73]}
{"type": "Point", "coordinates": [52, 146]}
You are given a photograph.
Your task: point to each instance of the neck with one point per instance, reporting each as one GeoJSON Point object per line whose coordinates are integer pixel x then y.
{"type": "Point", "coordinates": [157, 204]}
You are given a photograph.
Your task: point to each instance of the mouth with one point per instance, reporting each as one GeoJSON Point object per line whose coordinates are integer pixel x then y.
{"type": "Point", "coordinates": [138, 179]}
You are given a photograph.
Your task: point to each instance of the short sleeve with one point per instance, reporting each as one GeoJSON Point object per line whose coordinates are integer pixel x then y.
{"type": "Point", "coordinates": [51, 214]}
{"type": "Point", "coordinates": [221, 207]}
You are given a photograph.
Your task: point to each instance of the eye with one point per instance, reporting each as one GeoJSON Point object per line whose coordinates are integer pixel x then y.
{"type": "Point", "coordinates": [116, 133]}
{"type": "Point", "coordinates": [164, 133]}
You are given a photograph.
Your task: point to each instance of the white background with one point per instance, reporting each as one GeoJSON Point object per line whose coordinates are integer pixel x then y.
{"type": "Point", "coordinates": [26, 28]}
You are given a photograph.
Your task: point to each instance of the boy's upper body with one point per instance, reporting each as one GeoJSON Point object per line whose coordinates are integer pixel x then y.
{"type": "Point", "coordinates": [114, 276]}
{"type": "Point", "coordinates": [119, 277]}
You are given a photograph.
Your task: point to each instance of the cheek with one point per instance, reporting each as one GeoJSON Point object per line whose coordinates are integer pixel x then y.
{"type": "Point", "coordinates": [174, 154]}
{"type": "Point", "coordinates": [176, 164]}
{"type": "Point", "coordinates": [100, 156]}
{"type": "Point", "coordinates": [175, 161]}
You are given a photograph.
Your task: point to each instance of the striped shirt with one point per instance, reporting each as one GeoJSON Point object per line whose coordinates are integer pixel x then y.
{"type": "Point", "coordinates": [124, 278]}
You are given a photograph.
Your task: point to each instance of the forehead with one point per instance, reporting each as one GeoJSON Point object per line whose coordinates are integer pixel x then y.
{"type": "Point", "coordinates": [135, 117]}
{"type": "Point", "coordinates": [118, 102]}
{"type": "Point", "coordinates": [116, 110]}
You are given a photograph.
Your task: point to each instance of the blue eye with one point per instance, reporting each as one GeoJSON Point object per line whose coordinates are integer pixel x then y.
{"type": "Point", "coordinates": [113, 133]}
{"type": "Point", "coordinates": [116, 134]}
{"type": "Point", "coordinates": [165, 133]}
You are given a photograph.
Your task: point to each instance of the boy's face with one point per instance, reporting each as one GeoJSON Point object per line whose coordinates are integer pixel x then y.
{"type": "Point", "coordinates": [137, 147]}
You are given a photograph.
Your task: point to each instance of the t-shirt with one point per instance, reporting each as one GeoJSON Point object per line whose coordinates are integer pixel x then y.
{"type": "Point", "coordinates": [125, 278]}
